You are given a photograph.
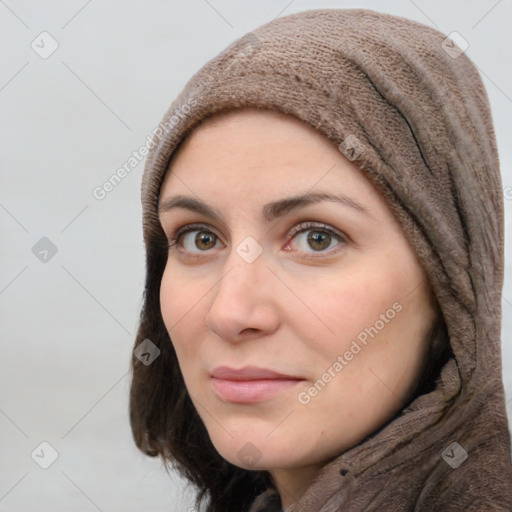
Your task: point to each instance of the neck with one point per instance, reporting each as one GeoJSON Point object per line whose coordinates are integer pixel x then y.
{"type": "Point", "coordinates": [291, 483]}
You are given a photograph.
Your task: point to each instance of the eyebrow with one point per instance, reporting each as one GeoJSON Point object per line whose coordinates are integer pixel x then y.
{"type": "Point", "coordinates": [271, 211]}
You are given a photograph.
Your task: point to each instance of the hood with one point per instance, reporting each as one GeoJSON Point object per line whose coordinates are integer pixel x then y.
{"type": "Point", "coordinates": [418, 104]}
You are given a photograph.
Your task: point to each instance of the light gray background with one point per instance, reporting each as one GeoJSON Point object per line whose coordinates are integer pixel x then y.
{"type": "Point", "coordinates": [67, 123]}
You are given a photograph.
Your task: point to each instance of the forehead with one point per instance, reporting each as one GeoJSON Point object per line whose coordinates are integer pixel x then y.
{"type": "Point", "coordinates": [243, 124]}
{"type": "Point", "coordinates": [254, 164]}
{"type": "Point", "coordinates": [261, 146]}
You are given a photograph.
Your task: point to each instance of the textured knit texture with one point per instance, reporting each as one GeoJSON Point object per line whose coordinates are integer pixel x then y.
{"type": "Point", "coordinates": [420, 109]}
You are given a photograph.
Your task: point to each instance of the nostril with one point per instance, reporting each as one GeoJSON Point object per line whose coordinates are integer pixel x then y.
{"type": "Point", "coordinates": [249, 330]}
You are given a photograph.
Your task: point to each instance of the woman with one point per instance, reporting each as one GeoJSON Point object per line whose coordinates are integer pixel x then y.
{"type": "Point", "coordinates": [323, 223]}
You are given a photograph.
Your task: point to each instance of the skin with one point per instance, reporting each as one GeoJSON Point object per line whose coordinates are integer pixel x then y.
{"type": "Point", "coordinates": [299, 305]}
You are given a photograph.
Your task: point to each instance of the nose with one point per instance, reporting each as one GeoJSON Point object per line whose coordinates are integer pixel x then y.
{"type": "Point", "coordinates": [244, 301]}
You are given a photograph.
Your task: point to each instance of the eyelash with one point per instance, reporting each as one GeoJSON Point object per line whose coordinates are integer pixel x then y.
{"type": "Point", "coordinates": [300, 228]}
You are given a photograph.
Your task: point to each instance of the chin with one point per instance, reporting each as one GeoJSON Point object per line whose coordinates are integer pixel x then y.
{"type": "Point", "coordinates": [256, 452]}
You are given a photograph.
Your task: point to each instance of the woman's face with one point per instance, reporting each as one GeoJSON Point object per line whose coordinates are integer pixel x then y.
{"type": "Point", "coordinates": [294, 264]}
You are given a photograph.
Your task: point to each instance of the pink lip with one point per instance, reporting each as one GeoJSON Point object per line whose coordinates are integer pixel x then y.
{"type": "Point", "coordinates": [249, 384]}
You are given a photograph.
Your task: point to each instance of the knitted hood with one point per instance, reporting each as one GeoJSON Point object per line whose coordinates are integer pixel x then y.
{"type": "Point", "coordinates": [409, 108]}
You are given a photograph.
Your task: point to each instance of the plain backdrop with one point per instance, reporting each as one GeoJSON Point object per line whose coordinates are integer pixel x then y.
{"type": "Point", "coordinates": [69, 315]}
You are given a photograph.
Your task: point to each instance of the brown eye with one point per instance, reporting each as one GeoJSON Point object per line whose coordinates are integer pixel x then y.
{"type": "Point", "coordinates": [319, 240]}
{"type": "Point", "coordinates": [205, 240]}
{"type": "Point", "coordinates": [310, 237]}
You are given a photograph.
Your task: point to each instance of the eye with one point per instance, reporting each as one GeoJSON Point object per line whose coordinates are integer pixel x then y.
{"type": "Point", "coordinates": [318, 237]}
{"type": "Point", "coordinates": [310, 237]}
{"type": "Point", "coordinates": [201, 242]}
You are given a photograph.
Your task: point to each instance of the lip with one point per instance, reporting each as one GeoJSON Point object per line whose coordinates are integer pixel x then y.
{"type": "Point", "coordinates": [250, 384]}
{"type": "Point", "coordinates": [249, 373]}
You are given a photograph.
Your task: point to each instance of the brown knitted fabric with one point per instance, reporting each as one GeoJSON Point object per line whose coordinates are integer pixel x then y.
{"type": "Point", "coordinates": [421, 112]}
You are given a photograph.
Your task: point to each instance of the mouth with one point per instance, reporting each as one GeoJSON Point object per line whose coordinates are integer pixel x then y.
{"type": "Point", "coordinates": [250, 384]}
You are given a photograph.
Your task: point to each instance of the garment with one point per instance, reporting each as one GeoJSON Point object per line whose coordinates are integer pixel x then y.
{"type": "Point", "coordinates": [409, 108]}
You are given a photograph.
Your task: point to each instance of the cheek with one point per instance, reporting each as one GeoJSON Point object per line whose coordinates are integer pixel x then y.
{"type": "Point", "coordinates": [349, 303]}
{"type": "Point", "coordinates": [370, 303]}
{"type": "Point", "coordinates": [180, 306]}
